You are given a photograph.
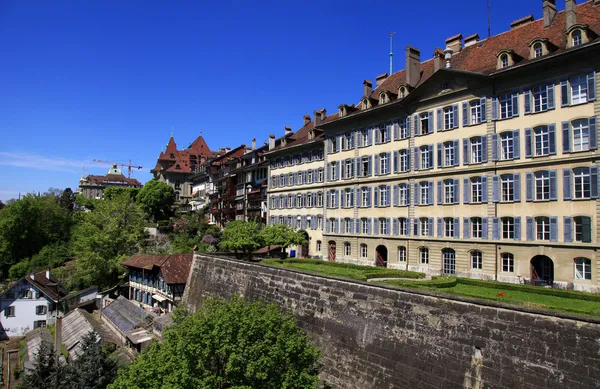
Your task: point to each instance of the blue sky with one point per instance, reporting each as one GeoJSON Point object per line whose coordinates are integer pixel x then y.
{"type": "Point", "coordinates": [109, 79]}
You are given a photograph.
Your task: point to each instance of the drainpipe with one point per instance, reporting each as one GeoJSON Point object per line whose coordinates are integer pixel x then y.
{"type": "Point", "coordinates": [495, 171]}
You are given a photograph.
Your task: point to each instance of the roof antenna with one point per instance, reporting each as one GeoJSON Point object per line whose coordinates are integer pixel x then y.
{"type": "Point", "coordinates": [489, 22]}
{"type": "Point", "coordinates": [391, 51]}
{"type": "Point", "coordinates": [171, 132]}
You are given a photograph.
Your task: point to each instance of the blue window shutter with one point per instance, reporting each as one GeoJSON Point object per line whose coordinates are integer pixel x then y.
{"type": "Point", "coordinates": [553, 229]}
{"type": "Point", "coordinates": [553, 185]}
{"type": "Point", "coordinates": [466, 190]}
{"type": "Point", "coordinates": [465, 114]}
{"type": "Point", "coordinates": [389, 195]}
{"type": "Point", "coordinates": [430, 226]}
{"type": "Point", "coordinates": [528, 143]}
{"type": "Point", "coordinates": [430, 122]}
{"type": "Point", "coordinates": [515, 104]}
{"type": "Point", "coordinates": [369, 227]}
{"type": "Point", "coordinates": [567, 180]}
{"type": "Point", "coordinates": [337, 198]}
{"type": "Point", "coordinates": [343, 200]}
{"type": "Point", "coordinates": [395, 126]}
{"type": "Point", "coordinates": [430, 156]}
{"type": "Point", "coordinates": [409, 158]}
{"type": "Point", "coordinates": [327, 202]}
{"type": "Point", "coordinates": [396, 156]}
{"type": "Point", "coordinates": [466, 228]}
{"type": "Point", "coordinates": [552, 139]}
{"type": "Point", "coordinates": [327, 226]}
{"type": "Point", "coordinates": [329, 146]}
{"type": "Point", "coordinates": [517, 181]}
{"type": "Point", "coordinates": [440, 189]}
{"type": "Point", "coordinates": [550, 90]}
{"type": "Point", "coordinates": [416, 158]}
{"type": "Point", "coordinates": [416, 125]}
{"type": "Point", "coordinates": [495, 228]}
{"type": "Point", "coordinates": [408, 194]}
{"type": "Point", "coordinates": [337, 176]}
{"type": "Point", "coordinates": [440, 121]}
{"type": "Point", "coordinates": [396, 195]}
{"type": "Point", "coordinates": [357, 167]}
{"type": "Point", "coordinates": [357, 226]}
{"type": "Point", "coordinates": [494, 147]}
{"type": "Point", "coordinates": [495, 188]}
{"type": "Point", "coordinates": [484, 228]}
{"type": "Point", "coordinates": [376, 164]}
{"type": "Point", "coordinates": [407, 126]}
{"type": "Point", "coordinates": [482, 112]}
{"type": "Point", "coordinates": [351, 225]}
{"type": "Point", "coordinates": [527, 98]}
{"type": "Point", "coordinates": [328, 172]}
{"type": "Point", "coordinates": [338, 139]}
{"type": "Point", "coordinates": [369, 136]}
{"type": "Point", "coordinates": [370, 166]}
{"type": "Point", "coordinates": [465, 151]}
{"type": "Point", "coordinates": [369, 197]}
{"type": "Point", "coordinates": [516, 144]}
{"type": "Point", "coordinates": [564, 93]}
{"type": "Point", "coordinates": [343, 172]}
{"type": "Point", "coordinates": [568, 228]}
{"type": "Point", "coordinates": [455, 115]}
{"type": "Point", "coordinates": [456, 184]}
{"type": "Point", "coordinates": [518, 228]}
{"type": "Point", "coordinates": [416, 227]}
{"type": "Point", "coordinates": [593, 133]}
{"type": "Point", "coordinates": [456, 153]}
{"type": "Point", "coordinates": [337, 225]}
{"type": "Point", "coordinates": [430, 202]}
{"type": "Point", "coordinates": [484, 189]}
{"type": "Point", "coordinates": [439, 155]}
{"type": "Point", "coordinates": [594, 182]}
{"type": "Point", "coordinates": [375, 226]}
{"type": "Point", "coordinates": [591, 79]}
{"type": "Point", "coordinates": [440, 227]}
{"type": "Point", "coordinates": [360, 139]}
{"type": "Point", "coordinates": [494, 108]}
{"type": "Point", "coordinates": [395, 226]}
{"type": "Point", "coordinates": [529, 227]}
{"type": "Point", "coordinates": [389, 163]}
{"type": "Point", "coordinates": [389, 226]}
{"type": "Point", "coordinates": [529, 186]}
{"type": "Point", "coordinates": [416, 193]}
{"type": "Point", "coordinates": [484, 149]}
{"type": "Point", "coordinates": [456, 227]}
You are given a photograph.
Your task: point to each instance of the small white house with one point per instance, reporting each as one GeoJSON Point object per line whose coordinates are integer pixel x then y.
{"type": "Point", "coordinates": [32, 302]}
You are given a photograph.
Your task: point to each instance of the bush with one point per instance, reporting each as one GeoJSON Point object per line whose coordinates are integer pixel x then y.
{"type": "Point", "coordinates": [435, 282]}
{"type": "Point", "coordinates": [18, 270]}
{"type": "Point", "coordinates": [393, 273]}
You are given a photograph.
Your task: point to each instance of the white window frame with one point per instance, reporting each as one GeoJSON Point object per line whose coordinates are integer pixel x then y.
{"type": "Point", "coordinates": [403, 226]}
{"type": "Point", "coordinates": [542, 228]}
{"type": "Point", "coordinates": [476, 146]}
{"type": "Point", "coordinates": [364, 196]}
{"type": "Point", "coordinates": [364, 250]}
{"type": "Point", "coordinates": [401, 254]}
{"type": "Point", "coordinates": [579, 89]}
{"type": "Point", "coordinates": [541, 141]}
{"type": "Point", "coordinates": [476, 227]}
{"type": "Point", "coordinates": [347, 249]}
{"type": "Point", "coordinates": [539, 94]}
{"type": "Point", "coordinates": [364, 225]}
{"type": "Point", "coordinates": [542, 185]}
{"type": "Point", "coordinates": [383, 163]}
{"type": "Point", "coordinates": [581, 183]}
{"type": "Point", "coordinates": [424, 226]}
{"type": "Point", "coordinates": [403, 195]}
{"type": "Point", "coordinates": [423, 255]}
{"type": "Point", "coordinates": [424, 188]}
{"type": "Point", "coordinates": [507, 188]}
{"type": "Point", "coordinates": [403, 160]}
{"type": "Point", "coordinates": [476, 190]}
{"type": "Point", "coordinates": [507, 145]}
{"type": "Point", "coordinates": [448, 192]}
{"type": "Point", "coordinates": [508, 227]}
{"type": "Point", "coordinates": [383, 226]}
{"type": "Point", "coordinates": [508, 262]}
{"type": "Point", "coordinates": [583, 269]}
{"type": "Point", "coordinates": [448, 227]}
{"type": "Point", "coordinates": [476, 260]}
{"type": "Point", "coordinates": [506, 106]}
{"type": "Point", "coordinates": [424, 154]}
{"type": "Point", "coordinates": [448, 118]}
{"type": "Point", "coordinates": [475, 111]}
{"type": "Point", "coordinates": [581, 135]}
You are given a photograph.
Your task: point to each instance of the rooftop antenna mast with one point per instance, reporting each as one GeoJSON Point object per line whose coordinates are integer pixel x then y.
{"type": "Point", "coordinates": [391, 51]}
{"type": "Point", "coordinates": [489, 20]}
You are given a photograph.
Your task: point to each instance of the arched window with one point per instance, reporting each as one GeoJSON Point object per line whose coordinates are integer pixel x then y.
{"type": "Point", "coordinates": [504, 60]}
{"type": "Point", "coordinates": [576, 38]}
{"type": "Point", "coordinates": [508, 262]}
{"type": "Point", "coordinates": [363, 251]}
{"type": "Point", "coordinates": [424, 255]}
{"type": "Point", "coordinates": [319, 245]}
{"type": "Point", "coordinates": [583, 269]}
{"type": "Point", "coordinates": [401, 254]}
{"type": "Point", "coordinates": [476, 260]}
{"type": "Point", "coordinates": [347, 249]}
{"type": "Point", "coordinates": [402, 92]}
{"type": "Point", "coordinates": [448, 261]}
{"type": "Point", "coordinates": [537, 50]}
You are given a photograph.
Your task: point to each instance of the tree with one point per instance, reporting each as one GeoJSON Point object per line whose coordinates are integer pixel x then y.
{"type": "Point", "coordinates": [111, 192]}
{"type": "Point", "coordinates": [47, 374]}
{"type": "Point", "coordinates": [105, 236]}
{"type": "Point", "coordinates": [241, 236]}
{"type": "Point", "coordinates": [67, 199]}
{"type": "Point", "coordinates": [94, 367]}
{"type": "Point", "coordinates": [156, 199]}
{"type": "Point", "coordinates": [282, 235]}
{"type": "Point", "coordinates": [227, 344]}
{"type": "Point", "coordinates": [2, 204]}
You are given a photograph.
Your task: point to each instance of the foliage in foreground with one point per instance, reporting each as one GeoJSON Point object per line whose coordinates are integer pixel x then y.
{"type": "Point", "coordinates": [281, 235]}
{"type": "Point", "coordinates": [156, 199]}
{"type": "Point", "coordinates": [241, 236]}
{"type": "Point", "coordinates": [234, 344]}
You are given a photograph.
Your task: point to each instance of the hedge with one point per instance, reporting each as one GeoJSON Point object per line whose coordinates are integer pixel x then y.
{"type": "Point", "coordinates": [393, 273]}
{"type": "Point", "coordinates": [436, 282]}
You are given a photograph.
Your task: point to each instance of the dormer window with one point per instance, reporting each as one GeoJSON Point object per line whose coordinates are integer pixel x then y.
{"type": "Point", "coordinates": [383, 98]}
{"type": "Point", "coordinates": [537, 50]}
{"type": "Point", "coordinates": [342, 111]}
{"type": "Point", "coordinates": [576, 38]}
{"type": "Point", "coordinates": [177, 167]}
{"type": "Point", "coordinates": [365, 104]}
{"type": "Point", "coordinates": [171, 155]}
{"type": "Point", "coordinates": [311, 134]}
{"type": "Point", "coordinates": [402, 92]}
{"type": "Point", "coordinates": [504, 60]}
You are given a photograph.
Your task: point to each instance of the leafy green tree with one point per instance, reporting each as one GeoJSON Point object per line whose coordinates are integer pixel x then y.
{"type": "Point", "coordinates": [52, 255]}
{"type": "Point", "coordinates": [19, 269]}
{"type": "Point", "coordinates": [67, 199]}
{"type": "Point", "coordinates": [105, 236]}
{"type": "Point", "coordinates": [227, 344]}
{"type": "Point", "coordinates": [2, 204]}
{"type": "Point", "coordinates": [94, 368]}
{"type": "Point", "coordinates": [111, 192]}
{"type": "Point", "coordinates": [281, 235]}
{"type": "Point", "coordinates": [48, 374]}
{"type": "Point", "coordinates": [156, 199]}
{"type": "Point", "coordinates": [241, 236]}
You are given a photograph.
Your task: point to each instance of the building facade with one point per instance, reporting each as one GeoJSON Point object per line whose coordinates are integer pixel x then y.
{"type": "Point", "coordinates": [92, 187]}
{"type": "Point", "coordinates": [480, 162]}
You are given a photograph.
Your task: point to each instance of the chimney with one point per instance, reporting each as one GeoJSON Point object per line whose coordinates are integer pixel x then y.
{"type": "Point", "coordinates": [471, 40]}
{"type": "Point", "coordinates": [438, 55]}
{"type": "Point", "coordinates": [454, 43]}
{"type": "Point", "coordinates": [48, 273]}
{"type": "Point", "coordinates": [288, 130]}
{"type": "Point", "coordinates": [570, 13]}
{"type": "Point", "coordinates": [253, 143]}
{"type": "Point", "coordinates": [380, 79]}
{"type": "Point", "coordinates": [520, 22]}
{"type": "Point", "coordinates": [32, 275]}
{"type": "Point", "coordinates": [368, 87]}
{"type": "Point", "coordinates": [271, 142]}
{"type": "Point", "coordinates": [58, 337]}
{"type": "Point", "coordinates": [549, 9]}
{"type": "Point", "coordinates": [227, 149]}
{"type": "Point", "coordinates": [306, 120]}
{"type": "Point", "coordinates": [413, 66]}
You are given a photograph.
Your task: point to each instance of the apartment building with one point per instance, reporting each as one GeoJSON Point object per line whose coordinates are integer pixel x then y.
{"type": "Point", "coordinates": [480, 162]}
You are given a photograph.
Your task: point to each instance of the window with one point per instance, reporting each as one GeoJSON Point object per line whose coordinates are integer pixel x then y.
{"type": "Point", "coordinates": [424, 226]}
{"type": "Point", "coordinates": [448, 118]}
{"type": "Point", "coordinates": [507, 145]}
{"type": "Point", "coordinates": [364, 225]}
{"type": "Point", "coordinates": [334, 145]}
{"type": "Point", "coordinates": [424, 192]}
{"type": "Point", "coordinates": [365, 197]}
{"type": "Point", "coordinates": [583, 229]}
{"type": "Point", "coordinates": [449, 154]}
{"type": "Point", "coordinates": [300, 178]}
{"type": "Point", "coordinates": [475, 110]}
{"type": "Point", "coordinates": [449, 192]}
{"type": "Point", "coordinates": [334, 170]}
{"type": "Point", "coordinates": [508, 228]}
{"type": "Point", "coordinates": [291, 179]}
{"type": "Point", "coordinates": [401, 254]}
{"type": "Point", "coordinates": [383, 133]}
{"type": "Point", "coordinates": [540, 98]}
{"type": "Point", "coordinates": [332, 199]}
{"type": "Point", "coordinates": [348, 141]}
{"type": "Point", "coordinates": [9, 311]}
{"type": "Point", "coordinates": [404, 128]}
{"type": "Point", "coordinates": [39, 324]}
{"type": "Point", "coordinates": [581, 135]}
{"type": "Point", "coordinates": [384, 164]}
{"type": "Point", "coordinates": [383, 195]}
{"type": "Point", "coordinates": [508, 262]}
{"type": "Point", "coordinates": [508, 187]}
{"type": "Point", "coordinates": [504, 60]}
{"type": "Point", "coordinates": [365, 170]}
{"type": "Point", "coordinates": [476, 190]}
{"type": "Point", "coordinates": [319, 199]}
{"type": "Point", "coordinates": [542, 228]}
{"type": "Point", "coordinates": [476, 260]}
{"type": "Point", "coordinates": [448, 261]}
{"type": "Point", "coordinates": [537, 50]}
{"type": "Point", "coordinates": [41, 310]}
{"type": "Point", "coordinates": [403, 226]}
{"type": "Point", "coordinates": [542, 140]}
{"type": "Point", "coordinates": [424, 255]}
{"type": "Point", "coordinates": [579, 89]}
{"type": "Point", "coordinates": [542, 185]}
{"type": "Point", "coordinates": [318, 246]}
{"type": "Point", "coordinates": [349, 169]}
{"type": "Point", "coordinates": [319, 222]}
{"type": "Point", "coordinates": [363, 251]}
{"type": "Point", "coordinates": [309, 200]}
{"type": "Point", "coordinates": [383, 226]}
{"type": "Point", "coordinates": [300, 201]}
{"type": "Point", "coordinates": [425, 161]}
{"type": "Point", "coordinates": [348, 226]}
{"type": "Point", "coordinates": [403, 159]}
{"type": "Point", "coordinates": [476, 227]}
{"type": "Point", "coordinates": [364, 134]}
{"type": "Point", "coordinates": [449, 227]}
{"type": "Point", "coordinates": [348, 198]}
{"type": "Point", "coordinates": [476, 150]}
{"type": "Point", "coordinates": [347, 249]}
{"type": "Point", "coordinates": [320, 175]}
{"type": "Point", "coordinates": [583, 269]}
{"type": "Point", "coordinates": [403, 195]}
{"type": "Point", "coordinates": [577, 37]}
{"type": "Point", "coordinates": [506, 106]}
{"type": "Point", "coordinates": [424, 121]}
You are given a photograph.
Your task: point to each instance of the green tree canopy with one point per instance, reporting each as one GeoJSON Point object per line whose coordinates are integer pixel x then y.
{"type": "Point", "coordinates": [48, 374]}
{"type": "Point", "coordinates": [156, 199]}
{"type": "Point", "coordinates": [282, 235]}
{"type": "Point", "coordinates": [241, 236]}
{"type": "Point", "coordinates": [94, 368]}
{"type": "Point", "coordinates": [235, 344]}
{"type": "Point", "coordinates": [67, 199]}
{"type": "Point", "coordinates": [111, 192]}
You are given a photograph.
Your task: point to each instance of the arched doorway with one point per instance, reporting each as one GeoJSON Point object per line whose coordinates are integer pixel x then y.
{"type": "Point", "coordinates": [304, 247]}
{"type": "Point", "coordinates": [542, 270]}
{"type": "Point", "coordinates": [332, 250]}
{"type": "Point", "coordinates": [381, 256]}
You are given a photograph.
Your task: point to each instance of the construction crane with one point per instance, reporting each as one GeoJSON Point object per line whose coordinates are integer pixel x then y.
{"type": "Point", "coordinates": [129, 166]}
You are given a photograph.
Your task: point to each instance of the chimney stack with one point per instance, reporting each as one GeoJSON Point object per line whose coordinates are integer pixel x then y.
{"type": "Point", "coordinates": [454, 43]}
{"type": "Point", "coordinates": [48, 273]}
{"type": "Point", "coordinates": [368, 88]}
{"type": "Point", "coordinates": [32, 275]}
{"type": "Point", "coordinates": [227, 149]}
{"type": "Point", "coordinates": [380, 79]}
{"type": "Point", "coordinates": [438, 56]}
{"type": "Point", "coordinates": [288, 130]}
{"type": "Point", "coordinates": [253, 143]}
{"type": "Point", "coordinates": [271, 141]}
{"type": "Point", "coordinates": [413, 66]}
{"type": "Point", "coordinates": [471, 40]}
{"type": "Point", "coordinates": [549, 9]}
{"type": "Point", "coordinates": [306, 120]}
{"type": "Point", "coordinates": [570, 13]}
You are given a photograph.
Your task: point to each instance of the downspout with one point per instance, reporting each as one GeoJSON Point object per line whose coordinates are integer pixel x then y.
{"type": "Point", "coordinates": [495, 172]}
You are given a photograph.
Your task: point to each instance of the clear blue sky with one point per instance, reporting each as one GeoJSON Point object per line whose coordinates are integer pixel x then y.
{"type": "Point", "coordinates": [110, 79]}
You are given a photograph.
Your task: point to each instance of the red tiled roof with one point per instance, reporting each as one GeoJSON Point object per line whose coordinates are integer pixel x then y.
{"type": "Point", "coordinates": [144, 261]}
{"type": "Point", "coordinates": [175, 267]}
{"type": "Point", "coordinates": [198, 148]}
{"type": "Point", "coordinates": [50, 287]}
{"type": "Point", "coordinates": [112, 178]}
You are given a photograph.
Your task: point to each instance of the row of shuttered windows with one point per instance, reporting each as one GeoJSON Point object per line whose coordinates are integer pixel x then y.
{"type": "Point", "coordinates": [142, 297]}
